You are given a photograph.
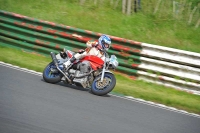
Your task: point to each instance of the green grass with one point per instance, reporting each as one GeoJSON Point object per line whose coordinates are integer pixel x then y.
{"type": "Point", "coordinates": [159, 29]}
{"type": "Point", "coordinates": [23, 59]}
{"type": "Point", "coordinates": [136, 88]}
{"type": "Point", "coordinates": [157, 93]}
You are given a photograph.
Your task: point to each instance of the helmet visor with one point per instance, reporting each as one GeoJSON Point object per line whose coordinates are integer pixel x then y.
{"type": "Point", "coordinates": [106, 45]}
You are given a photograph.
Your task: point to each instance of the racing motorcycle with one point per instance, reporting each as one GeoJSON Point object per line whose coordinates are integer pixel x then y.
{"type": "Point", "coordinates": [90, 72]}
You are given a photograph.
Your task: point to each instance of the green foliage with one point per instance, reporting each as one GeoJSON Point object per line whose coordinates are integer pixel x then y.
{"type": "Point", "coordinates": [130, 61]}
{"type": "Point", "coordinates": [194, 2]}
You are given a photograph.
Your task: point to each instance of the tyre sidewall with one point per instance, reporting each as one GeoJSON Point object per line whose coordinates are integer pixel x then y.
{"type": "Point", "coordinates": [48, 79]}
{"type": "Point", "coordinates": [95, 91]}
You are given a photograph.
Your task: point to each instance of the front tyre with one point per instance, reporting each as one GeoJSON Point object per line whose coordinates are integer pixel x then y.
{"type": "Point", "coordinates": [102, 88]}
{"type": "Point", "coordinates": [51, 74]}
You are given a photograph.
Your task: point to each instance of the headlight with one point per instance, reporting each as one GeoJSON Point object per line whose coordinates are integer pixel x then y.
{"type": "Point", "coordinates": [113, 61]}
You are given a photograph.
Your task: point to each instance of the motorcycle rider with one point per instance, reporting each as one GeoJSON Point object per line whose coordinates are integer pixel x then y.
{"type": "Point", "coordinates": [93, 48]}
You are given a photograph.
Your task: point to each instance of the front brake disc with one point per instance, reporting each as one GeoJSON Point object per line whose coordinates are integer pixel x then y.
{"type": "Point", "coordinates": [101, 85]}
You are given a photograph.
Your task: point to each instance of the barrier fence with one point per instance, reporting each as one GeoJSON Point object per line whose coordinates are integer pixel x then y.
{"type": "Point", "coordinates": [171, 67]}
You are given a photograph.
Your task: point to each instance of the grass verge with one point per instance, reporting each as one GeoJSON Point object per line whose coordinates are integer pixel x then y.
{"type": "Point", "coordinates": [136, 88]}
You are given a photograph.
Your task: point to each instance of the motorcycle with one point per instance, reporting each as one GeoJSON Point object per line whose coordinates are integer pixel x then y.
{"type": "Point", "coordinates": [90, 72]}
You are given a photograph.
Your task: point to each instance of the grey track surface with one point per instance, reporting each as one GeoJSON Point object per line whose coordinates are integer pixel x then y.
{"type": "Point", "coordinates": [30, 105]}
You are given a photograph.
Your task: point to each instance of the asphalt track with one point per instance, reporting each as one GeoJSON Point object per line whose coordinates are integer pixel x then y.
{"type": "Point", "coordinates": [30, 105]}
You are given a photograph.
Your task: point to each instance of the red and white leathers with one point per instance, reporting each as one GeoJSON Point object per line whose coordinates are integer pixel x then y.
{"type": "Point", "coordinates": [93, 48]}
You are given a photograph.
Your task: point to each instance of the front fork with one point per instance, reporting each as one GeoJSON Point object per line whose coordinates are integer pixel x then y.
{"type": "Point", "coordinates": [103, 72]}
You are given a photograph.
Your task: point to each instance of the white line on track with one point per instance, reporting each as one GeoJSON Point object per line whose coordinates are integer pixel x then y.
{"type": "Point", "coordinates": [20, 69]}
{"type": "Point", "coordinates": [123, 97]}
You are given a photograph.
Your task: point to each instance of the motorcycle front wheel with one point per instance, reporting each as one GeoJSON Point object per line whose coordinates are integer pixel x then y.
{"type": "Point", "coordinates": [51, 74]}
{"type": "Point", "coordinates": [107, 85]}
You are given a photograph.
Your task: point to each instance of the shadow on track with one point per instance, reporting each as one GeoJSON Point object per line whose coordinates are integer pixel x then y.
{"type": "Point", "coordinates": [75, 87]}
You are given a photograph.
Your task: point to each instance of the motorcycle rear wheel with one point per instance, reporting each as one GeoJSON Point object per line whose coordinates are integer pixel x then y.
{"type": "Point", "coordinates": [49, 76]}
{"type": "Point", "coordinates": [102, 88]}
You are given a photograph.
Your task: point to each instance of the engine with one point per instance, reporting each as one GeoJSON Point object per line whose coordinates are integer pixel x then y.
{"type": "Point", "coordinates": [84, 67]}
{"type": "Point", "coordinates": [82, 74]}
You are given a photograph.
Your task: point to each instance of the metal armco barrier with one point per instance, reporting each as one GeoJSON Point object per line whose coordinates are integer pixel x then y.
{"type": "Point", "coordinates": [175, 68]}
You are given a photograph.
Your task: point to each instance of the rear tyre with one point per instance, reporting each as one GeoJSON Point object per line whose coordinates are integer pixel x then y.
{"type": "Point", "coordinates": [51, 74]}
{"type": "Point", "coordinates": [102, 88]}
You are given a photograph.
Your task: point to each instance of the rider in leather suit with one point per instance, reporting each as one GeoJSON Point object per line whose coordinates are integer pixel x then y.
{"type": "Point", "coordinates": [93, 48]}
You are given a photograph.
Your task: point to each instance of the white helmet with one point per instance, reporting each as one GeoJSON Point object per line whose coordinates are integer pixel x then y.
{"type": "Point", "coordinates": [105, 42]}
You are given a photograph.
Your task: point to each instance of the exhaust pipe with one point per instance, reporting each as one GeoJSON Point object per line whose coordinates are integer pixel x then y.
{"type": "Point", "coordinates": [55, 61]}
{"type": "Point", "coordinates": [53, 56]}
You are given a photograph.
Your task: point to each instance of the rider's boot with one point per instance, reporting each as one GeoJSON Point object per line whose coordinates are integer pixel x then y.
{"type": "Point", "coordinates": [69, 62]}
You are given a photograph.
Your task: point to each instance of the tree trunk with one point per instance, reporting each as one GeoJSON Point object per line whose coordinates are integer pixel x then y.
{"type": "Point", "coordinates": [191, 15]}
{"type": "Point", "coordinates": [82, 2]}
{"type": "Point", "coordinates": [129, 7]}
{"type": "Point", "coordinates": [124, 6]}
